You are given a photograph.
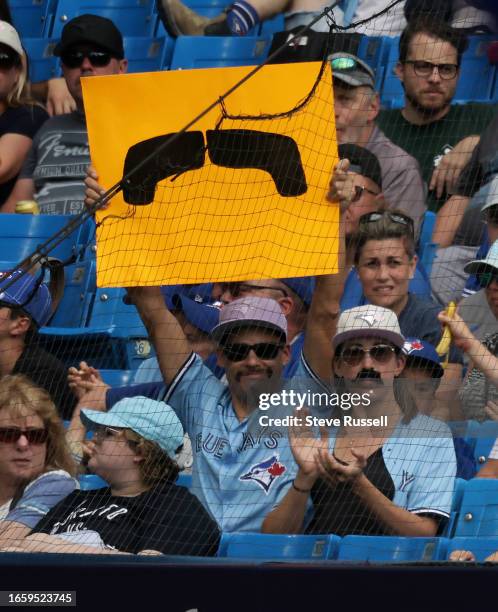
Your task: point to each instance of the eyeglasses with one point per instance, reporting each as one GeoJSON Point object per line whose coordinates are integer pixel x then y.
{"type": "Point", "coordinates": [240, 351]}
{"type": "Point", "coordinates": [381, 353]}
{"type": "Point", "coordinates": [11, 435]}
{"type": "Point", "coordinates": [373, 217]}
{"type": "Point", "coordinates": [236, 289]}
{"type": "Point", "coordinates": [74, 59]}
{"type": "Point", "coordinates": [8, 60]}
{"type": "Point", "coordinates": [486, 278]}
{"type": "Point", "coordinates": [358, 192]}
{"type": "Point", "coordinates": [425, 69]}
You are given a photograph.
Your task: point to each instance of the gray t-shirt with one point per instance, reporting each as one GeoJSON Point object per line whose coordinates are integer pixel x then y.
{"type": "Point", "coordinates": [402, 183]}
{"type": "Point", "coordinates": [57, 162]}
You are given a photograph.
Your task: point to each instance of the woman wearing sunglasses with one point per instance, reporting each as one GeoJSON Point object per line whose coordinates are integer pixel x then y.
{"type": "Point", "coordinates": [385, 261]}
{"type": "Point", "coordinates": [20, 116]}
{"type": "Point", "coordinates": [142, 510]}
{"type": "Point", "coordinates": [384, 468]}
{"type": "Point", "coordinates": [36, 468]}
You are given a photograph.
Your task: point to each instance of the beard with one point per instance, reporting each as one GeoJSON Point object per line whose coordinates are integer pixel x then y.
{"type": "Point", "coordinates": [428, 111]}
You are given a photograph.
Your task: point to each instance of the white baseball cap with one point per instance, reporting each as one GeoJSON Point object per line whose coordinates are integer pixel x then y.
{"type": "Point", "coordinates": [10, 37]}
{"type": "Point", "coordinates": [368, 321]}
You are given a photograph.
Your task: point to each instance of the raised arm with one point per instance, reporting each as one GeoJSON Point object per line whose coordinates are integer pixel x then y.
{"type": "Point", "coordinates": [172, 347]}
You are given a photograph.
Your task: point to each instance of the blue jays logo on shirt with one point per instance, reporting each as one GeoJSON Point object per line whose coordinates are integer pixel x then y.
{"type": "Point", "coordinates": [265, 473]}
{"type": "Point", "coordinates": [406, 479]}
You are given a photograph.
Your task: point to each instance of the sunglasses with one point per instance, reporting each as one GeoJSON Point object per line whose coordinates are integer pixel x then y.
{"type": "Point", "coordinates": [262, 350]}
{"type": "Point", "coordinates": [10, 435]}
{"type": "Point", "coordinates": [381, 353]}
{"type": "Point", "coordinates": [358, 192]}
{"type": "Point", "coordinates": [236, 289]}
{"type": "Point", "coordinates": [75, 59]}
{"type": "Point", "coordinates": [8, 60]}
{"type": "Point", "coordinates": [486, 278]}
{"type": "Point", "coordinates": [349, 63]}
{"type": "Point", "coordinates": [373, 217]}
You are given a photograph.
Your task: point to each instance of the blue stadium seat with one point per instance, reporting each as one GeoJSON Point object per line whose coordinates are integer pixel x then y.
{"type": "Point", "coordinates": [476, 72]}
{"type": "Point", "coordinates": [426, 248]}
{"type": "Point", "coordinates": [482, 436]}
{"type": "Point", "coordinates": [270, 546]}
{"type": "Point", "coordinates": [148, 54]}
{"type": "Point", "coordinates": [392, 92]}
{"type": "Point", "coordinates": [21, 234]}
{"type": "Point", "coordinates": [43, 65]}
{"type": "Point", "coordinates": [214, 51]}
{"type": "Point", "coordinates": [89, 482]}
{"type": "Point", "coordinates": [32, 18]}
{"type": "Point", "coordinates": [455, 506]}
{"type": "Point", "coordinates": [374, 50]}
{"type": "Point", "coordinates": [481, 547]}
{"type": "Point", "coordinates": [391, 548]}
{"type": "Point", "coordinates": [478, 514]}
{"type": "Point", "coordinates": [273, 25]}
{"type": "Point", "coordinates": [184, 480]}
{"type": "Point", "coordinates": [117, 378]}
{"type": "Point", "coordinates": [132, 17]}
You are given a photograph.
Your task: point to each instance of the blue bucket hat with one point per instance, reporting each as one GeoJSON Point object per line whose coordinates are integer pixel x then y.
{"type": "Point", "coordinates": [420, 351]}
{"type": "Point", "coordinates": [153, 420]}
{"type": "Point", "coordinates": [25, 293]}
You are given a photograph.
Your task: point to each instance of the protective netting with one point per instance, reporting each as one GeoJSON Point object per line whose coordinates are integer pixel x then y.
{"type": "Point", "coordinates": [294, 370]}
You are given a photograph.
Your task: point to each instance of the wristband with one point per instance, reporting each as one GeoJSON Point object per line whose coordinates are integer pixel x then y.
{"type": "Point", "coordinates": [300, 490]}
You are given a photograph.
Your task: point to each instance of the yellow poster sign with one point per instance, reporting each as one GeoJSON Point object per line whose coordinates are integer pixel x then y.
{"type": "Point", "coordinates": [232, 198]}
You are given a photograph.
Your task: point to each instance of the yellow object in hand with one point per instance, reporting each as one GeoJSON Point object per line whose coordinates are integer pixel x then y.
{"type": "Point", "coordinates": [443, 348]}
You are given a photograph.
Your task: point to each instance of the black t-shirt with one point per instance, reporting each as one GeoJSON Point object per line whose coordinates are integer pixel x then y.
{"type": "Point", "coordinates": [167, 518]}
{"type": "Point", "coordinates": [337, 510]}
{"type": "Point", "coordinates": [48, 372]}
{"type": "Point", "coordinates": [23, 120]}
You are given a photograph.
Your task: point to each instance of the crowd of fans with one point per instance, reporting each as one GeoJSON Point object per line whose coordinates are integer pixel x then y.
{"type": "Point", "coordinates": [370, 331]}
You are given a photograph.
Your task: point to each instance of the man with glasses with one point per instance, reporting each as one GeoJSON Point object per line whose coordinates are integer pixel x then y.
{"type": "Point", "coordinates": [440, 136]}
{"type": "Point", "coordinates": [55, 168]}
{"type": "Point", "coordinates": [357, 105]}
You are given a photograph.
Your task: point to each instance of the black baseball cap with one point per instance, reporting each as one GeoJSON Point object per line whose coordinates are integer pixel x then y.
{"type": "Point", "coordinates": [362, 162]}
{"type": "Point", "coordinates": [93, 30]}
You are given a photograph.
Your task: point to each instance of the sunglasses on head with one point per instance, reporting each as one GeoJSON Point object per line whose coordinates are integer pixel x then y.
{"type": "Point", "coordinates": [75, 59]}
{"type": "Point", "coordinates": [262, 350]}
{"type": "Point", "coordinates": [381, 353]}
{"type": "Point", "coordinates": [401, 219]}
{"type": "Point", "coordinates": [8, 60]}
{"type": "Point", "coordinates": [236, 289]}
{"type": "Point", "coordinates": [11, 435]}
{"type": "Point", "coordinates": [347, 63]}
{"type": "Point", "coordinates": [486, 278]}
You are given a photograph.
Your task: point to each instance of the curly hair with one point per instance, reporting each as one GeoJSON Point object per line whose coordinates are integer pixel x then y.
{"type": "Point", "coordinates": [23, 397]}
{"type": "Point", "coordinates": [157, 466]}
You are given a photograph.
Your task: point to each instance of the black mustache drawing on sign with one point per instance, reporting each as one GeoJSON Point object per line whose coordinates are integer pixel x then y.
{"type": "Point", "coordinates": [273, 153]}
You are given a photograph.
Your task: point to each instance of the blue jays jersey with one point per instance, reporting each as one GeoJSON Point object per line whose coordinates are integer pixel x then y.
{"type": "Point", "coordinates": [420, 458]}
{"type": "Point", "coordinates": [238, 474]}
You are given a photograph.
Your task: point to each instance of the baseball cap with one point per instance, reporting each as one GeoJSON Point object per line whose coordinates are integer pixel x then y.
{"type": "Point", "coordinates": [10, 37]}
{"type": "Point", "coordinates": [257, 312]}
{"type": "Point", "coordinates": [487, 196]}
{"type": "Point", "coordinates": [303, 286]}
{"type": "Point", "coordinates": [153, 420]}
{"type": "Point", "coordinates": [25, 293]}
{"type": "Point", "coordinates": [362, 162]}
{"type": "Point", "coordinates": [195, 302]}
{"type": "Point", "coordinates": [351, 70]}
{"type": "Point", "coordinates": [91, 29]}
{"type": "Point", "coordinates": [368, 321]}
{"type": "Point", "coordinates": [422, 352]}
{"type": "Point", "coordinates": [488, 264]}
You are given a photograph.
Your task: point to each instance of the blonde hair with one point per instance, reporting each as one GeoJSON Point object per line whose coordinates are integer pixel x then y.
{"type": "Point", "coordinates": [21, 93]}
{"type": "Point", "coordinates": [21, 396]}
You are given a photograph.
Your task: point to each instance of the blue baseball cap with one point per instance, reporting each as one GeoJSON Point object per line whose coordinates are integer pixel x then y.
{"type": "Point", "coordinates": [423, 352]}
{"type": "Point", "coordinates": [196, 303]}
{"type": "Point", "coordinates": [303, 286]}
{"type": "Point", "coordinates": [25, 293]}
{"type": "Point", "coordinates": [153, 420]}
